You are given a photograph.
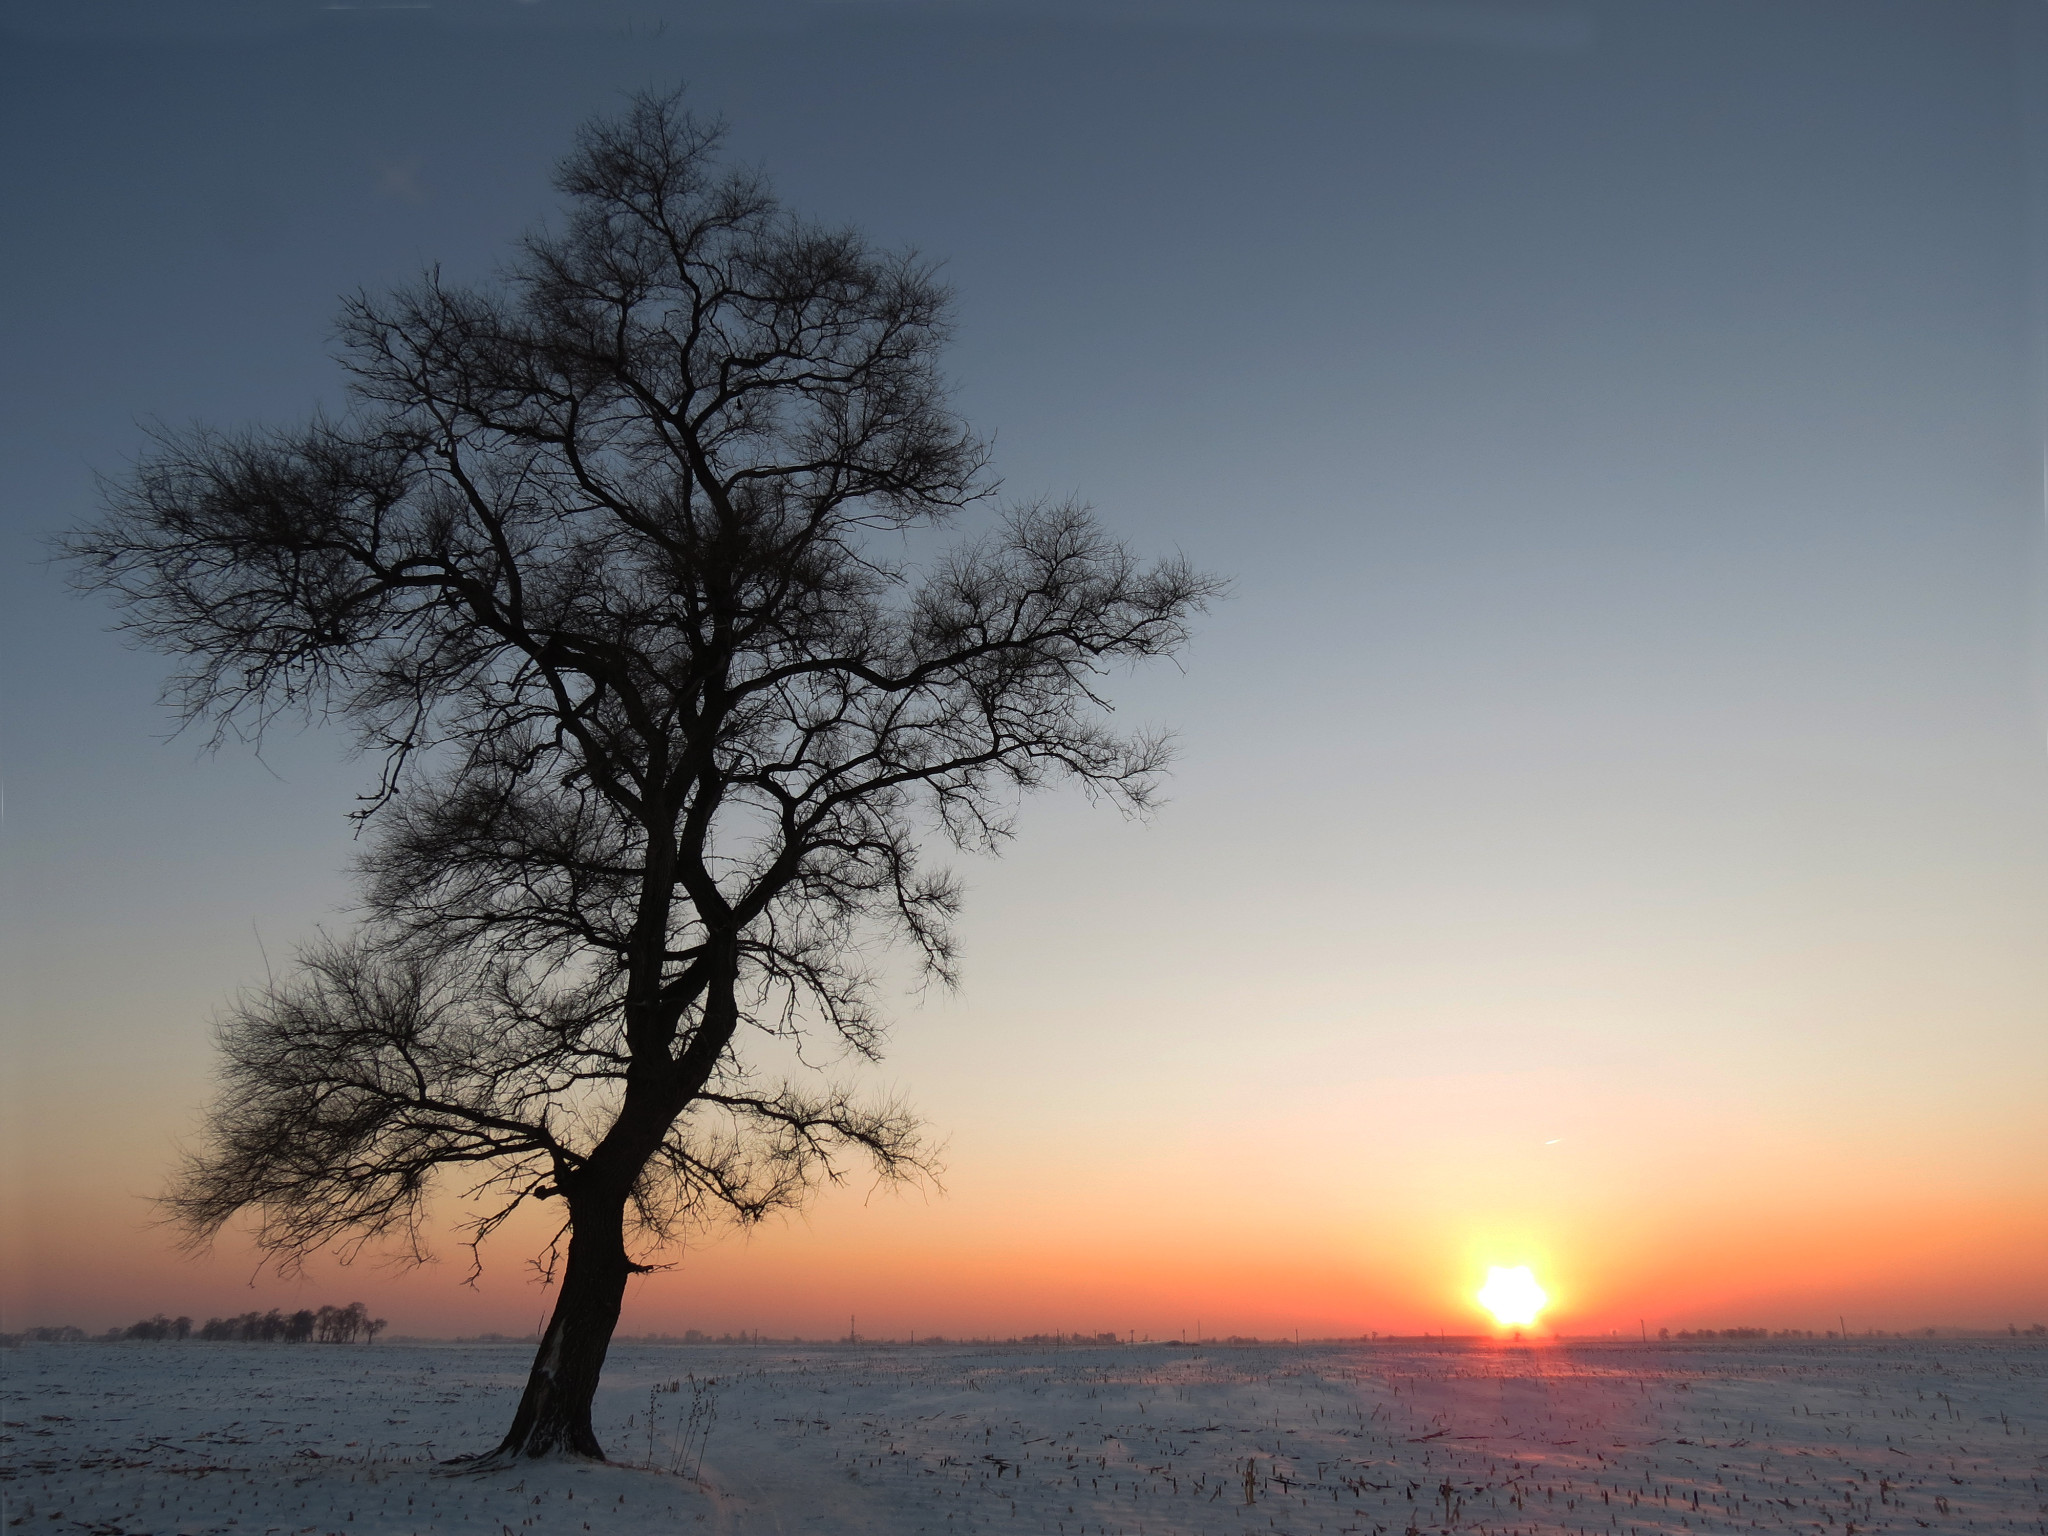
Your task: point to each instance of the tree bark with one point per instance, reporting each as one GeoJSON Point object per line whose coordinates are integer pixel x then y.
{"type": "Point", "coordinates": [554, 1414]}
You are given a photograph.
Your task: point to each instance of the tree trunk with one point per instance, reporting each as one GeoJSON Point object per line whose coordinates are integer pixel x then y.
{"type": "Point", "coordinates": [554, 1414]}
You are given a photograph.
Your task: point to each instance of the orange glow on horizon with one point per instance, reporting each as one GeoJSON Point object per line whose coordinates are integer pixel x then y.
{"type": "Point", "coordinates": [1002, 1255]}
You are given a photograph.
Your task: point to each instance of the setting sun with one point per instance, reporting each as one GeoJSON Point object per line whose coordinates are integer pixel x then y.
{"type": "Point", "coordinates": [1512, 1296]}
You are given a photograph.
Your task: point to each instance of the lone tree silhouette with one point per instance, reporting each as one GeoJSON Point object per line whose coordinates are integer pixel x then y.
{"type": "Point", "coordinates": [607, 565]}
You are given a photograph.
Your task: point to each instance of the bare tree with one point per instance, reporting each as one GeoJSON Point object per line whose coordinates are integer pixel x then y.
{"type": "Point", "coordinates": [607, 565]}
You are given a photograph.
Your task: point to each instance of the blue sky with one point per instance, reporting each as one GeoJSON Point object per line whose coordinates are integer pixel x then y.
{"type": "Point", "coordinates": [1622, 422]}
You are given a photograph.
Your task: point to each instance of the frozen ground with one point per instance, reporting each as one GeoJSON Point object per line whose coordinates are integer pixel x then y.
{"type": "Point", "coordinates": [1387, 1438]}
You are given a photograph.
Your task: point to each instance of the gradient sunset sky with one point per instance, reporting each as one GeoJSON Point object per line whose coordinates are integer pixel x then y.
{"type": "Point", "coordinates": [1612, 830]}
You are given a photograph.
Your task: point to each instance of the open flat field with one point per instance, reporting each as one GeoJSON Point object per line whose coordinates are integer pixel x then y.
{"type": "Point", "coordinates": [1868, 1436]}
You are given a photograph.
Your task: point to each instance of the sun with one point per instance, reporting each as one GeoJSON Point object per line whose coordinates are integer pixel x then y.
{"type": "Point", "coordinates": [1512, 1296]}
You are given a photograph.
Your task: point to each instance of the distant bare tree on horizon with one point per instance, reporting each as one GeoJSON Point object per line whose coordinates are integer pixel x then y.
{"type": "Point", "coordinates": [598, 564]}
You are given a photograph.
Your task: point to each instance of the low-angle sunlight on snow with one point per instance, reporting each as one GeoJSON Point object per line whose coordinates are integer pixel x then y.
{"type": "Point", "coordinates": [1512, 1296]}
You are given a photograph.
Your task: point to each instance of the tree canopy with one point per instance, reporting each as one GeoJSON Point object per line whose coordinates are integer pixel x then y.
{"type": "Point", "coordinates": [620, 568]}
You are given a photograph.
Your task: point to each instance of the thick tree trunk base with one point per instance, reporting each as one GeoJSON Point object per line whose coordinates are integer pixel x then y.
{"type": "Point", "coordinates": [554, 1413]}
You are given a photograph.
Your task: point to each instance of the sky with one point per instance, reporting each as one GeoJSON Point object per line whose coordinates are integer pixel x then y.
{"type": "Point", "coordinates": [1611, 832]}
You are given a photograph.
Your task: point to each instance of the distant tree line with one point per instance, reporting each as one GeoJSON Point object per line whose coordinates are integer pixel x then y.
{"type": "Point", "coordinates": [1742, 1333]}
{"type": "Point", "coordinates": [2037, 1330]}
{"type": "Point", "coordinates": [328, 1325]}
{"type": "Point", "coordinates": [158, 1327]}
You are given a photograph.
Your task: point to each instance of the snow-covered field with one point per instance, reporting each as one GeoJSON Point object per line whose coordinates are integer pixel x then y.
{"type": "Point", "coordinates": [1938, 1435]}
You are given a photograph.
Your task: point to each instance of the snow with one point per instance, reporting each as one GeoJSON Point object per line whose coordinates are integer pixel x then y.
{"type": "Point", "coordinates": [1839, 1438]}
